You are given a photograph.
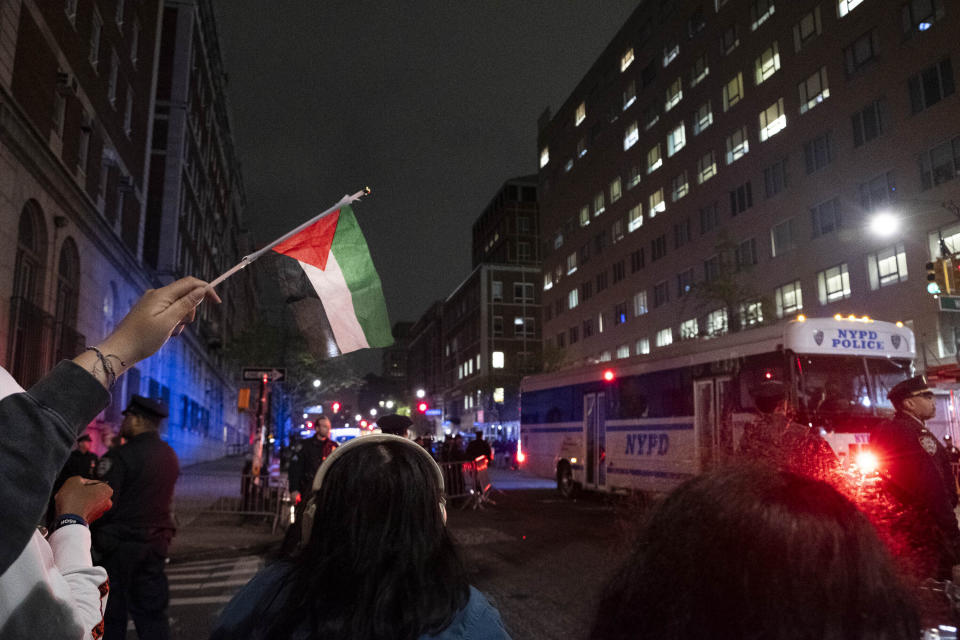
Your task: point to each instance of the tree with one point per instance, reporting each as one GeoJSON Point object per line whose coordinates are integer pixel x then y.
{"type": "Point", "coordinates": [727, 286]}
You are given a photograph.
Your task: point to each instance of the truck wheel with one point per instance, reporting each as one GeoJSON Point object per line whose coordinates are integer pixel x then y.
{"type": "Point", "coordinates": [565, 484]}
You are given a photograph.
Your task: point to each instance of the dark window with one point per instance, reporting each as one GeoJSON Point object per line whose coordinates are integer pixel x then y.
{"type": "Point", "coordinates": [741, 199]}
{"type": "Point", "coordinates": [587, 328]}
{"type": "Point", "coordinates": [775, 178]}
{"type": "Point", "coordinates": [619, 271]}
{"type": "Point", "coordinates": [919, 15]}
{"type": "Point", "coordinates": [601, 281]}
{"type": "Point", "coordinates": [746, 253]}
{"type": "Point", "coordinates": [862, 52]}
{"type": "Point", "coordinates": [560, 340]}
{"type": "Point", "coordinates": [586, 289]}
{"type": "Point", "coordinates": [868, 123]}
{"type": "Point", "coordinates": [658, 247]}
{"type": "Point", "coordinates": [696, 23]}
{"type": "Point", "coordinates": [711, 268]}
{"type": "Point", "coordinates": [651, 114]}
{"type": "Point", "coordinates": [599, 241]}
{"type": "Point", "coordinates": [636, 261]}
{"type": "Point", "coordinates": [620, 313]}
{"type": "Point", "coordinates": [816, 153]}
{"type": "Point", "coordinates": [878, 192]}
{"type": "Point", "coordinates": [661, 294]}
{"type": "Point", "coordinates": [574, 334]}
{"type": "Point", "coordinates": [681, 233]}
{"type": "Point", "coordinates": [941, 164]}
{"type": "Point", "coordinates": [784, 237]}
{"type": "Point", "coordinates": [709, 218]}
{"type": "Point", "coordinates": [583, 254]}
{"type": "Point", "coordinates": [729, 40]}
{"type": "Point", "coordinates": [931, 85]}
{"type": "Point", "coordinates": [684, 282]}
{"type": "Point", "coordinates": [649, 74]}
{"type": "Point", "coordinates": [826, 217]}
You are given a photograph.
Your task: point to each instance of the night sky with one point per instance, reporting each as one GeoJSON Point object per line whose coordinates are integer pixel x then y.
{"type": "Point", "coordinates": [433, 104]}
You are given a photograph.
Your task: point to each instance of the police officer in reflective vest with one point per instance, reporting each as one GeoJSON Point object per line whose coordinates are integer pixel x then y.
{"type": "Point", "coordinates": [917, 475]}
{"type": "Point", "coordinates": [132, 539]}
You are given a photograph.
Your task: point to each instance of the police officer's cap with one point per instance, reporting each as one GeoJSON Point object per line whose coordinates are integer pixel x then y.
{"type": "Point", "coordinates": [907, 389]}
{"type": "Point", "coordinates": [147, 407]}
{"type": "Point", "coordinates": [84, 438]}
{"type": "Point", "coordinates": [395, 424]}
{"type": "Point", "coordinates": [769, 389]}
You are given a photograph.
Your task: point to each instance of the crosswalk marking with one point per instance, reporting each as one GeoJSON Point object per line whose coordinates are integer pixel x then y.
{"type": "Point", "coordinates": [209, 585]}
{"type": "Point", "coordinates": [207, 582]}
{"type": "Point", "coordinates": [221, 599]}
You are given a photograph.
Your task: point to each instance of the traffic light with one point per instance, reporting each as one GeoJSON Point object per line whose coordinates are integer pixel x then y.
{"type": "Point", "coordinates": [939, 276]}
{"type": "Point", "coordinates": [422, 407]}
{"type": "Point", "coordinates": [335, 407]}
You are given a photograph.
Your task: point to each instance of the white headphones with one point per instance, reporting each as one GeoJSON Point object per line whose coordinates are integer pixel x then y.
{"type": "Point", "coordinates": [310, 512]}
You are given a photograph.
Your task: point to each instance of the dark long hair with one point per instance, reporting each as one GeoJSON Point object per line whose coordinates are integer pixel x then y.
{"type": "Point", "coordinates": [755, 553]}
{"type": "Point", "coordinates": [379, 562]}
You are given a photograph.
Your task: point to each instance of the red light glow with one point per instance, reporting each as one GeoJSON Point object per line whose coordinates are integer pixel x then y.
{"type": "Point", "coordinates": [422, 407]}
{"type": "Point", "coordinates": [867, 462]}
{"type": "Point", "coordinates": [608, 375]}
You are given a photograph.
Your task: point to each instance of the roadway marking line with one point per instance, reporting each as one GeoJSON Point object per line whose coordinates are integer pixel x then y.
{"type": "Point", "coordinates": [208, 585]}
{"type": "Point", "coordinates": [227, 566]}
{"type": "Point", "coordinates": [216, 574]}
{"type": "Point", "coordinates": [182, 602]}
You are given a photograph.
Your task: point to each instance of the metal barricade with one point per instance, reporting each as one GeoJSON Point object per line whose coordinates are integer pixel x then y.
{"type": "Point", "coordinates": [244, 494]}
{"type": "Point", "coordinates": [467, 482]}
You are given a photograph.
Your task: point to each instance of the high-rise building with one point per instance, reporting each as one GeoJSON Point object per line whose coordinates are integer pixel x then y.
{"type": "Point", "coordinates": [733, 162]}
{"type": "Point", "coordinates": [77, 97]}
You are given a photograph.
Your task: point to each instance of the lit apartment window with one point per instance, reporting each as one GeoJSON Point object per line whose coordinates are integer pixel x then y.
{"type": "Point", "coordinates": [716, 323]}
{"type": "Point", "coordinates": [813, 90]}
{"type": "Point", "coordinates": [679, 187]}
{"type": "Point", "coordinates": [789, 298]}
{"type": "Point", "coordinates": [807, 28]}
{"type": "Point", "coordinates": [640, 303]}
{"type": "Point", "coordinates": [584, 216]}
{"type": "Point", "coordinates": [751, 313]}
{"type": "Point", "coordinates": [846, 6]}
{"type": "Point", "coordinates": [629, 94]}
{"type": "Point", "coordinates": [654, 158]}
{"type": "Point", "coordinates": [919, 15]}
{"type": "Point", "coordinates": [616, 190]}
{"type": "Point", "coordinates": [642, 347]}
{"type": "Point", "coordinates": [862, 52]}
{"type": "Point", "coordinates": [931, 85]}
{"type": "Point", "coordinates": [544, 157]}
{"type": "Point", "coordinates": [604, 355]}
{"type": "Point", "coordinates": [706, 167]}
{"type": "Point", "coordinates": [547, 281]}
{"type": "Point", "coordinates": [498, 395]}
{"type": "Point", "coordinates": [558, 240]}
{"type": "Point", "coordinates": [657, 205]}
{"type": "Point", "coordinates": [633, 178]}
{"type": "Point", "coordinates": [496, 359]}
{"type": "Point", "coordinates": [674, 95]}
{"type": "Point", "coordinates": [703, 118]}
{"type": "Point", "coordinates": [581, 147]}
{"type": "Point", "coordinates": [573, 299]}
{"type": "Point", "coordinates": [737, 145]}
{"type": "Point", "coordinates": [887, 266]}
{"type": "Point", "coordinates": [760, 11]}
{"type": "Point", "coordinates": [676, 139]}
{"type": "Point", "coordinates": [772, 120]}
{"type": "Point", "coordinates": [626, 59]}
{"type": "Point", "coordinates": [733, 91]}
{"type": "Point", "coordinates": [634, 218]}
{"type": "Point", "coordinates": [689, 329]}
{"type": "Point", "coordinates": [699, 71]}
{"type": "Point", "coordinates": [664, 337]}
{"type": "Point", "coordinates": [572, 263]}
{"type": "Point", "coordinates": [623, 351]}
{"type": "Point", "coordinates": [598, 204]}
{"type": "Point", "coordinates": [833, 284]}
{"type": "Point", "coordinates": [631, 136]}
{"type": "Point", "coordinates": [766, 64]}
{"type": "Point", "coordinates": [941, 164]}
{"type": "Point", "coordinates": [783, 237]}
{"type": "Point", "coordinates": [620, 313]}
{"type": "Point", "coordinates": [670, 52]}
{"type": "Point", "coordinates": [600, 325]}
{"type": "Point", "coordinates": [580, 115]}
{"type": "Point", "coordinates": [96, 28]}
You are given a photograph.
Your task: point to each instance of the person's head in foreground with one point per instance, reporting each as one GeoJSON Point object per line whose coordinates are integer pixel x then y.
{"type": "Point", "coordinates": [379, 563]}
{"type": "Point", "coordinates": [755, 553]}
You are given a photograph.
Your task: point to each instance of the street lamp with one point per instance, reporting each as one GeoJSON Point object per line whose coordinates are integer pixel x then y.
{"type": "Point", "coordinates": [421, 393]}
{"type": "Point", "coordinates": [389, 404]}
{"type": "Point", "coordinates": [316, 383]}
{"type": "Point", "coordinates": [884, 224]}
{"type": "Point", "coordinates": [373, 412]}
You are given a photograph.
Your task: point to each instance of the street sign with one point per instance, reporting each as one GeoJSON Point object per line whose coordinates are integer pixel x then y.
{"type": "Point", "coordinates": [432, 412]}
{"type": "Point", "coordinates": [949, 303]}
{"type": "Point", "coordinates": [274, 374]}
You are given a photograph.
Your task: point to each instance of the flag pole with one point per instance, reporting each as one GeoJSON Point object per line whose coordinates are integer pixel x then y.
{"type": "Point", "coordinates": [247, 259]}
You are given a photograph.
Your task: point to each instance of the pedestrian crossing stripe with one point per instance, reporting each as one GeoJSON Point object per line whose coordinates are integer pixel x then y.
{"type": "Point", "coordinates": [246, 571]}
{"type": "Point", "coordinates": [220, 599]}
{"type": "Point", "coordinates": [200, 586]}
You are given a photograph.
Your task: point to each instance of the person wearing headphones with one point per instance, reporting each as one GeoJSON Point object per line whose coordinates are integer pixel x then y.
{"type": "Point", "coordinates": [382, 565]}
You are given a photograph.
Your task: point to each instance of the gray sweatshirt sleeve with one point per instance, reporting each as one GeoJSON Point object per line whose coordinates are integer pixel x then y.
{"type": "Point", "coordinates": [37, 430]}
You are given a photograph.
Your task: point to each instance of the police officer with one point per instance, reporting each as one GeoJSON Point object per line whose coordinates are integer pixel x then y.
{"type": "Point", "coordinates": [395, 424]}
{"type": "Point", "coordinates": [307, 458]}
{"type": "Point", "coordinates": [82, 461]}
{"type": "Point", "coordinates": [916, 472]}
{"type": "Point", "coordinates": [132, 539]}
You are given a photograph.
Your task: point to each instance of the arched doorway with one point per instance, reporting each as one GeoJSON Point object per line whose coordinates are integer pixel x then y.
{"type": "Point", "coordinates": [27, 349]}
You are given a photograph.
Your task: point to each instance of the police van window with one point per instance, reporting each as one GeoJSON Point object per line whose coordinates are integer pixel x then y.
{"type": "Point", "coordinates": [884, 374]}
{"type": "Point", "coordinates": [754, 370]}
{"type": "Point", "coordinates": [835, 385]}
{"type": "Point", "coordinates": [661, 394]}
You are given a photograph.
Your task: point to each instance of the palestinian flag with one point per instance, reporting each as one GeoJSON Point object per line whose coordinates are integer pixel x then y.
{"type": "Point", "coordinates": [329, 279]}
